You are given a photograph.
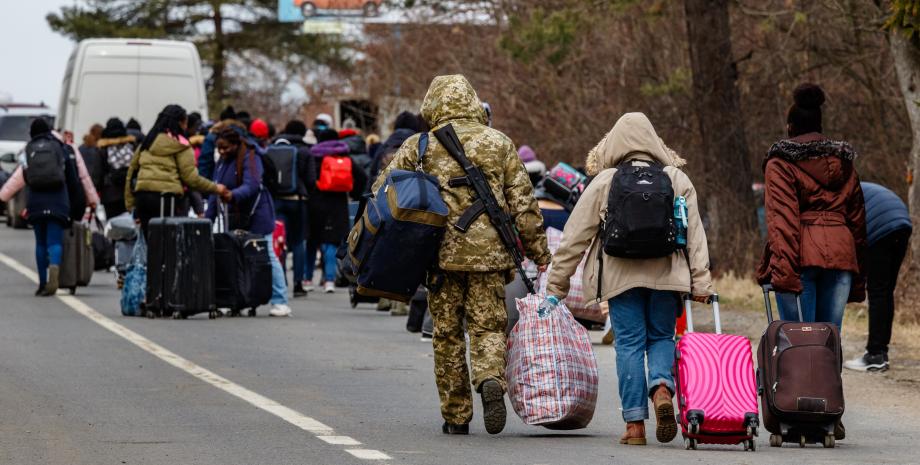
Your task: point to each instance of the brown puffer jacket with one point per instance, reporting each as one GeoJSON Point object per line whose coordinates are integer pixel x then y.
{"type": "Point", "coordinates": [816, 216]}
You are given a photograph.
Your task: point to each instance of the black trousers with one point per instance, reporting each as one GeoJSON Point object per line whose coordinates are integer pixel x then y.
{"type": "Point", "coordinates": [883, 263]}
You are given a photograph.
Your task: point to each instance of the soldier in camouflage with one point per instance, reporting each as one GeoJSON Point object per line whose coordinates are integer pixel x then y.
{"type": "Point", "coordinates": [475, 265]}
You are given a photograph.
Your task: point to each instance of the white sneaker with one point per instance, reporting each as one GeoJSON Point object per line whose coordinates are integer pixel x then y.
{"type": "Point", "coordinates": [280, 310]}
{"type": "Point", "coordinates": [330, 287]}
{"type": "Point", "coordinates": [308, 286]}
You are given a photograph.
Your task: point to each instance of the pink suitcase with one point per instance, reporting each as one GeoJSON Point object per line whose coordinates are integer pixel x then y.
{"type": "Point", "coordinates": [716, 388]}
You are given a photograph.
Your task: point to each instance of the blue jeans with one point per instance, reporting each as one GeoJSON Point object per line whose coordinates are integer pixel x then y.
{"type": "Point", "coordinates": [49, 239]}
{"type": "Point", "coordinates": [643, 321]}
{"type": "Point", "coordinates": [279, 286]}
{"type": "Point", "coordinates": [824, 297]}
{"type": "Point", "coordinates": [329, 262]}
{"type": "Point", "coordinates": [293, 213]}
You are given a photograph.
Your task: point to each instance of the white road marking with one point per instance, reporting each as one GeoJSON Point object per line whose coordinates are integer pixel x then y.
{"type": "Point", "coordinates": [310, 425]}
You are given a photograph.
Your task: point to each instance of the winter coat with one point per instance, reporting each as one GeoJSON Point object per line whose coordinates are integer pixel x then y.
{"type": "Point", "coordinates": [114, 180]}
{"type": "Point", "coordinates": [84, 193]}
{"type": "Point", "coordinates": [357, 149]}
{"type": "Point", "coordinates": [815, 212]}
{"type": "Point", "coordinates": [207, 157]}
{"type": "Point", "coordinates": [885, 213]}
{"type": "Point", "coordinates": [631, 142]}
{"type": "Point", "coordinates": [386, 151]}
{"type": "Point", "coordinates": [57, 204]}
{"type": "Point", "coordinates": [166, 167]}
{"type": "Point", "coordinates": [328, 211]}
{"type": "Point", "coordinates": [452, 100]}
{"type": "Point", "coordinates": [93, 158]}
{"type": "Point", "coordinates": [249, 196]}
{"type": "Point", "coordinates": [306, 165]}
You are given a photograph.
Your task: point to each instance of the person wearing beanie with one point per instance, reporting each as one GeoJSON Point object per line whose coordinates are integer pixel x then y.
{"type": "Point", "coordinates": [536, 169]}
{"type": "Point", "coordinates": [48, 207]}
{"type": "Point", "coordinates": [322, 121]}
{"type": "Point", "coordinates": [133, 128]}
{"type": "Point", "coordinates": [117, 148]}
{"type": "Point", "coordinates": [292, 209]}
{"type": "Point", "coordinates": [259, 129]}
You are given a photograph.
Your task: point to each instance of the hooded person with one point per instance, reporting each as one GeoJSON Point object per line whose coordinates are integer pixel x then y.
{"type": "Point", "coordinates": [644, 295]}
{"type": "Point", "coordinates": [291, 209]}
{"type": "Point", "coordinates": [406, 125]}
{"type": "Point", "coordinates": [162, 168]}
{"type": "Point", "coordinates": [322, 122]}
{"type": "Point", "coordinates": [476, 266]}
{"type": "Point", "coordinates": [49, 208]}
{"type": "Point", "coordinates": [816, 217]}
{"type": "Point", "coordinates": [117, 147]}
{"type": "Point", "coordinates": [133, 127]}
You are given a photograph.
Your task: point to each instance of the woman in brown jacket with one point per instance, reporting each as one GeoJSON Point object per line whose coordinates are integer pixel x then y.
{"type": "Point", "coordinates": [816, 217]}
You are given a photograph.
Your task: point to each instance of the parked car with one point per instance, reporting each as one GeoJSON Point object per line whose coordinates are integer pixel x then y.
{"type": "Point", "coordinates": [15, 119]}
{"type": "Point", "coordinates": [129, 78]}
{"type": "Point", "coordinates": [309, 8]}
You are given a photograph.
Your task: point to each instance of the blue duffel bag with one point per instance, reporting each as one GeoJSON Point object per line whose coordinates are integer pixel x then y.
{"type": "Point", "coordinates": [396, 241]}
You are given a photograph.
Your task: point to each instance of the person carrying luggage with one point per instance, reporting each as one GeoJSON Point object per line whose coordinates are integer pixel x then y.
{"type": "Point", "coordinates": [162, 168]}
{"type": "Point", "coordinates": [117, 148]}
{"type": "Point", "coordinates": [338, 178]}
{"type": "Point", "coordinates": [297, 173]}
{"type": "Point", "coordinates": [888, 229]}
{"type": "Point", "coordinates": [635, 263]}
{"type": "Point", "coordinates": [474, 265]}
{"type": "Point", "coordinates": [816, 218]}
{"type": "Point", "coordinates": [248, 202]}
{"type": "Point", "coordinates": [93, 156]}
{"type": "Point", "coordinates": [49, 171]}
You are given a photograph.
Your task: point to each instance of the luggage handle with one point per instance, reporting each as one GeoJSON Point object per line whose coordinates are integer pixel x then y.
{"type": "Point", "coordinates": [767, 288]}
{"type": "Point", "coordinates": [714, 300]}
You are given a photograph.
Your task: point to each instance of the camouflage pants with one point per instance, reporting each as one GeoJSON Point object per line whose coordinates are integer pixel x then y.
{"type": "Point", "coordinates": [479, 299]}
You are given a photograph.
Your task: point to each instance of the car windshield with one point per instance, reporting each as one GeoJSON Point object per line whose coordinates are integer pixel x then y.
{"type": "Point", "coordinates": [15, 127]}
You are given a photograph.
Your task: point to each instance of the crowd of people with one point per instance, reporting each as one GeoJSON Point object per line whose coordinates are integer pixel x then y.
{"type": "Point", "coordinates": [829, 236]}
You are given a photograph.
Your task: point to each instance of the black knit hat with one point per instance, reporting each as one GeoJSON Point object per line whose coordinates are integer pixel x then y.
{"type": "Point", "coordinates": [228, 113]}
{"type": "Point", "coordinates": [39, 127]}
{"type": "Point", "coordinates": [114, 128]}
{"type": "Point", "coordinates": [805, 114]}
{"type": "Point", "coordinates": [133, 124]}
{"type": "Point", "coordinates": [295, 127]}
{"type": "Point", "coordinates": [327, 134]}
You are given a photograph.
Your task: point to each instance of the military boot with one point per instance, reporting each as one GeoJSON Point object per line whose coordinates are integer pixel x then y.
{"type": "Point", "coordinates": [493, 406]}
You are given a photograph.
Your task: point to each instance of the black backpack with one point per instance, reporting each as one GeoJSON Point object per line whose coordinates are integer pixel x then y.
{"type": "Point", "coordinates": [44, 169]}
{"type": "Point", "coordinates": [639, 222]}
{"type": "Point", "coordinates": [280, 175]}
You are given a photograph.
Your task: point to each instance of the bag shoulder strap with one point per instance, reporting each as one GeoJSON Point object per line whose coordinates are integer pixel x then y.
{"type": "Point", "coordinates": [422, 148]}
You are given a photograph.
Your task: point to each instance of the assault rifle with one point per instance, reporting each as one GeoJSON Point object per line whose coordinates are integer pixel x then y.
{"type": "Point", "coordinates": [485, 201]}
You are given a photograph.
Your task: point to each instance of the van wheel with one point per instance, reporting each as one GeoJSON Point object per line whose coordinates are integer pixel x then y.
{"type": "Point", "coordinates": [371, 9]}
{"type": "Point", "coordinates": [308, 9]}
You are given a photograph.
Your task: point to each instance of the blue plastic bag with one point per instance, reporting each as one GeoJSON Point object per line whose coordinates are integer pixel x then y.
{"type": "Point", "coordinates": [133, 293]}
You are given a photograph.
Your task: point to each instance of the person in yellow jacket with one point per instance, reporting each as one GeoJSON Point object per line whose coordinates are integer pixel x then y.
{"type": "Point", "coordinates": [643, 294]}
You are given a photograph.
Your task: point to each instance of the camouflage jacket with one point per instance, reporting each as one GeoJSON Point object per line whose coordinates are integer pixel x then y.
{"type": "Point", "coordinates": [451, 99]}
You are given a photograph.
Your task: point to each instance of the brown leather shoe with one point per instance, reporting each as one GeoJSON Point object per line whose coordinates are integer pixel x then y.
{"type": "Point", "coordinates": [666, 430]}
{"type": "Point", "coordinates": [635, 434]}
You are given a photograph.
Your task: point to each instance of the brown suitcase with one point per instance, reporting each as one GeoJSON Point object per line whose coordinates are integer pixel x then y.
{"type": "Point", "coordinates": [77, 263]}
{"type": "Point", "coordinates": [799, 367]}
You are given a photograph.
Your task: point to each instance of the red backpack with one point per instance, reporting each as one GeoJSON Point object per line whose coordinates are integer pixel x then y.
{"type": "Point", "coordinates": [335, 174]}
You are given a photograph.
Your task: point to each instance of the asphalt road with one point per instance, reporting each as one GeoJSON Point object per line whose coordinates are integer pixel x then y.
{"type": "Point", "coordinates": [271, 391]}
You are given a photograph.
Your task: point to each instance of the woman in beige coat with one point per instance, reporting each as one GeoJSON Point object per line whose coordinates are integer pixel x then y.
{"type": "Point", "coordinates": [643, 294]}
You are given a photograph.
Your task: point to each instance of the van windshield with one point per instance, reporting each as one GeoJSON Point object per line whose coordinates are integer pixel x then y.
{"type": "Point", "coordinates": [15, 127]}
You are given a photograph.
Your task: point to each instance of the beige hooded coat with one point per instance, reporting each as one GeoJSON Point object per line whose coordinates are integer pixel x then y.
{"type": "Point", "coordinates": [632, 140]}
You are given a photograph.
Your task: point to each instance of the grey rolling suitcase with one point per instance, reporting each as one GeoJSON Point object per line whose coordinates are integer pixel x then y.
{"type": "Point", "coordinates": [77, 262]}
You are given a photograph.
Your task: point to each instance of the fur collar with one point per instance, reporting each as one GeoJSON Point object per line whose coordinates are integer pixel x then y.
{"type": "Point", "coordinates": [792, 150]}
{"type": "Point", "coordinates": [105, 142]}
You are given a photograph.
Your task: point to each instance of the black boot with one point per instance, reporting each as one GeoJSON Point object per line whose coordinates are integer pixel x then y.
{"type": "Point", "coordinates": [450, 428]}
{"type": "Point", "coordinates": [493, 406]}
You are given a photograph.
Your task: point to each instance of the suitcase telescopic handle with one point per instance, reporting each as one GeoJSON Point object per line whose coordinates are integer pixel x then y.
{"type": "Point", "coordinates": [688, 309]}
{"type": "Point", "coordinates": [767, 289]}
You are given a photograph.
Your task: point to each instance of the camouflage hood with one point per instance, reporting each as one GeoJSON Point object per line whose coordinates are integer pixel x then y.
{"type": "Point", "coordinates": [451, 98]}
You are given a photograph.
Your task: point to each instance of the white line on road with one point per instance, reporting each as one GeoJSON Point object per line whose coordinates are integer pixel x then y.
{"type": "Point", "coordinates": [318, 429]}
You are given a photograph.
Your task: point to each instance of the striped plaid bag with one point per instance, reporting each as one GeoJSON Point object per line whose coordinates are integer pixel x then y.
{"type": "Point", "coordinates": [576, 300]}
{"type": "Point", "coordinates": [551, 371]}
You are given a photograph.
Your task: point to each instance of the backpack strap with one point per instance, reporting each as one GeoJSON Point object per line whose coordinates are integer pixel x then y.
{"type": "Point", "coordinates": [422, 148]}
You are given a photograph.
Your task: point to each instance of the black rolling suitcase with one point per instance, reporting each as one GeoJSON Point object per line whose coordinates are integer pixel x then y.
{"type": "Point", "coordinates": [180, 268]}
{"type": "Point", "coordinates": [799, 366]}
{"type": "Point", "coordinates": [245, 281]}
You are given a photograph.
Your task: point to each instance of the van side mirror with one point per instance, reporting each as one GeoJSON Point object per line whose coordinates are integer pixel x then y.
{"type": "Point", "coordinates": [8, 157]}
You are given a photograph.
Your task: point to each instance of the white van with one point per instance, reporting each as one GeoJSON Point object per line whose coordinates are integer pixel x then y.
{"type": "Point", "coordinates": [129, 78]}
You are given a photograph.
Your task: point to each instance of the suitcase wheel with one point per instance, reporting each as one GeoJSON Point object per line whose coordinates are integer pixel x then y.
{"type": "Point", "coordinates": [690, 444]}
{"type": "Point", "coordinates": [73, 291]}
{"type": "Point", "coordinates": [802, 441]}
{"type": "Point", "coordinates": [213, 314]}
{"type": "Point", "coordinates": [750, 445]}
{"type": "Point", "coordinates": [252, 312]}
{"type": "Point", "coordinates": [150, 314]}
{"type": "Point", "coordinates": [776, 440]}
{"type": "Point", "coordinates": [829, 441]}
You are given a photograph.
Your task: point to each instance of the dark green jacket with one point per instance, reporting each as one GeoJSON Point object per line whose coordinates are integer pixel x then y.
{"type": "Point", "coordinates": [168, 166]}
